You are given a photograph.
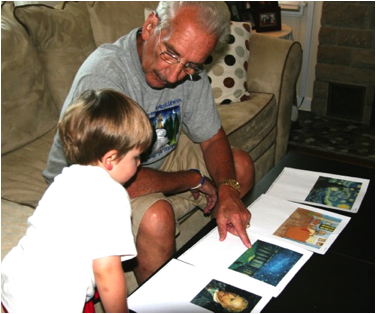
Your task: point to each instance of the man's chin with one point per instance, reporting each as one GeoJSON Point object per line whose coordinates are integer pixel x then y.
{"type": "Point", "coordinates": [156, 86]}
{"type": "Point", "coordinates": [156, 83]}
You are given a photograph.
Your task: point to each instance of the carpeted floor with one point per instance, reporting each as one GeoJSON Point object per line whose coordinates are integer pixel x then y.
{"type": "Point", "coordinates": [337, 137]}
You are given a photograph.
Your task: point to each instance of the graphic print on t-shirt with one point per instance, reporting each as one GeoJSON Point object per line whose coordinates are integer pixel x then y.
{"type": "Point", "coordinates": [166, 128]}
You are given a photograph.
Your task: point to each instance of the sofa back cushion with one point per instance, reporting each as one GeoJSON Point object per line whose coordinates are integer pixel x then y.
{"type": "Point", "coordinates": [27, 111]}
{"type": "Point", "coordinates": [111, 20]}
{"type": "Point", "coordinates": [63, 39]}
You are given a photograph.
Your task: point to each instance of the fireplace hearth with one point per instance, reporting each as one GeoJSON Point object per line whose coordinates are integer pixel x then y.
{"type": "Point", "coordinates": [345, 71]}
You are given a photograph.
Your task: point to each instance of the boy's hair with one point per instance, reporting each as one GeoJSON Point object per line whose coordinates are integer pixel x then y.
{"type": "Point", "coordinates": [100, 121]}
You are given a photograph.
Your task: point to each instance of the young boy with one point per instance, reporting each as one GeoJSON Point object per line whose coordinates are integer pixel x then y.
{"type": "Point", "coordinates": [81, 230]}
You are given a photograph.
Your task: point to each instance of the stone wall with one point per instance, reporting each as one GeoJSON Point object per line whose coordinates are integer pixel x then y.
{"type": "Point", "coordinates": [345, 70]}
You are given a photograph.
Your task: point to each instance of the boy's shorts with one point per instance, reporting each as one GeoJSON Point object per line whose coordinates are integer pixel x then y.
{"type": "Point", "coordinates": [187, 155]}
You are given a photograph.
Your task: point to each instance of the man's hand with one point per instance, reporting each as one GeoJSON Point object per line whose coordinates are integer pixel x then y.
{"type": "Point", "coordinates": [210, 192]}
{"type": "Point", "coordinates": [231, 215]}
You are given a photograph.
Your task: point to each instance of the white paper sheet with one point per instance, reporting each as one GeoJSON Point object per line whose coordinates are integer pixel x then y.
{"type": "Point", "coordinates": [312, 228]}
{"type": "Point", "coordinates": [330, 191]}
{"type": "Point", "coordinates": [173, 288]}
{"type": "Point", "coordinates": [269, 276]}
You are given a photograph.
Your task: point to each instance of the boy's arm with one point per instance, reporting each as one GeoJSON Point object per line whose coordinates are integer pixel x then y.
{"type": "Point", "coordinates": [111, 285]}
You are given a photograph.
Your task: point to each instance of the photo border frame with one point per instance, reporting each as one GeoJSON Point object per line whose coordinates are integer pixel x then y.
{"type": "Point", "coordinates": [259, 13]}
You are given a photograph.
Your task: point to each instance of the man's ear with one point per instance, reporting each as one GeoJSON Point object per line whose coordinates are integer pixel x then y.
{"type": "Point", "coordinates": [149, 25]}
{"type": "Point", "coordinates": [110, 159]}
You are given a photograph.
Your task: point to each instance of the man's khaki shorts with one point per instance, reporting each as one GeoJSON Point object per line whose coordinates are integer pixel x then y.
{"type": "Point", "coordinates": [187, 155]}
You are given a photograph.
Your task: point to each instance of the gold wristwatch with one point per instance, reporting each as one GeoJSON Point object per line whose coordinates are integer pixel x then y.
{"type": "Point", "coordinates": [231, 182]}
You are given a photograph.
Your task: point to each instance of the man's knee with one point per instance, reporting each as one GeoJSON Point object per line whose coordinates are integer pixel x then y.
{"type": "Point", "coordinates": [242, 160]}
{"type": "Point", "coordinates": [158, 218]}
{"type": "Point", "coordinates": [244, 167]}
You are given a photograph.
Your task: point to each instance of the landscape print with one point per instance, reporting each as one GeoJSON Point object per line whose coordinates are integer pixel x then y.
{"type": "Point", "coordinates": [220, 297]}
{"type": "Point", "coordinates": [308, 227]}
{"type": "Point", "coordinates": [266, 262]}
{"type": "Point", "coordinates": [334, 192]}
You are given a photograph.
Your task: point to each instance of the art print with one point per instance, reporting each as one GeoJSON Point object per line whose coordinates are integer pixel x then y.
{"type": "Point", "coordinates": [322, 189]}
{"type": "Point", "coordinates": [266, 262]}
{"type": "Point", "coordinates": [220, 297]}
{"type": "Point", "coordinates": [308, 227]}
{"type": "Point", "coordinates": [334, 192]}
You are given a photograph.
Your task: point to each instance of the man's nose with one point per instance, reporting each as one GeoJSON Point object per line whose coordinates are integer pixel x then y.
{"type": "Point", "coordinates": [175, 72]}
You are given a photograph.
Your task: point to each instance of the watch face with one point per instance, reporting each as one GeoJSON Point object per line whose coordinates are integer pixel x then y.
{"type": "Point", "coordinates": [234, 184]}
{"type": "Point", "coordinates": [231, 182]}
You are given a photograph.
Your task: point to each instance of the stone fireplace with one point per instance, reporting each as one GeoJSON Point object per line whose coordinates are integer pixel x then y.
{"type": "Point", "coordinates": [344, 87]}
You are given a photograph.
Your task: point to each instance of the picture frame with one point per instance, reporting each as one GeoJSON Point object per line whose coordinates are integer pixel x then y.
{"type": "Point", "coordinates": [267, 19]}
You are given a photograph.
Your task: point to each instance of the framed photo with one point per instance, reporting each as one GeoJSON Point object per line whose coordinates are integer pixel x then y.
{"type": "Point", "coordinates": [267, 19]}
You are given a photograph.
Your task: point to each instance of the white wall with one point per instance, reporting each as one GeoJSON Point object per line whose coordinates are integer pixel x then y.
{"type": "Point", "coordinates": [305, 29]}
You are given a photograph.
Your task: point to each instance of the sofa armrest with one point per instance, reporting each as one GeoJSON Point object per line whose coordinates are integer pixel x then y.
{"type": "Point", "coordinates": [274, 67]}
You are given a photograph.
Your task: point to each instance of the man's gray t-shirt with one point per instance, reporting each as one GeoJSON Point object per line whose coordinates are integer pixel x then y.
{"type": "Point", "coordinates": [188, 105]}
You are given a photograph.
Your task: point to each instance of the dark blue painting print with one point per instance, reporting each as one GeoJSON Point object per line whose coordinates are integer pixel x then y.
{"type": "Point", "coordinates": [334, 192]}
{"type": "Point", "coordinates": [266, 262]}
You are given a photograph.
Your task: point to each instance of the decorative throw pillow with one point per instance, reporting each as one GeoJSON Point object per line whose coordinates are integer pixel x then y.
{"type": "Point", "coordinates": [227, 69]}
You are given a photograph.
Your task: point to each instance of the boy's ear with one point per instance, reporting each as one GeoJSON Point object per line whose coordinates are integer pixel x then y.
{"type": "Point", "coordinates": [109, 159]}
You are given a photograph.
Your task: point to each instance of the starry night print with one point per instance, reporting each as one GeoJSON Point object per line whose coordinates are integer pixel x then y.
{"type": "Point", "coordinates": [266, 262]}
{"type": "Point", "coordinates": [334, 192]}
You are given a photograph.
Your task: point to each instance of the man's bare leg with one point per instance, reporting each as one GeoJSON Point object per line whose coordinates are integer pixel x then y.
{"type": "Point", "coordinates": [155, 240]}
{"type": "Point", "coordinates": [245, 172]}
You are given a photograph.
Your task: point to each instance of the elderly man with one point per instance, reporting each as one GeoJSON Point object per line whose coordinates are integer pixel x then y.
{"type": "Point", "coordinates": [160, 65]}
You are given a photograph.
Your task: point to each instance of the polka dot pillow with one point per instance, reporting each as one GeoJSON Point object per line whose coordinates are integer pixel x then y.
{"type": "Point", "coordinates": [227, 70]}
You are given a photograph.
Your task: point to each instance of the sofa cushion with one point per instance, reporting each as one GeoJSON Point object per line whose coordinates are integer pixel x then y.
{"type": "Point", "coordinates": [13, 225]}
{"type": "Point", "coordinates": [21, 171]}
{"type": "Point", "coordinates": [227, 68]}
{"type": "Point", "coordinates": [63, 39]}
{"type": "Point", "coordinates": [112, 19]}
{"type": "Point", "coordinates": [26, 109]}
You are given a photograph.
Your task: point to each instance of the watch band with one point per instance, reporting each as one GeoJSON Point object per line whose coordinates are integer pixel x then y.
{"type": "Point", "coordinates": [231, 182]}
{"type": "Point", "coordinates": [202, 179]}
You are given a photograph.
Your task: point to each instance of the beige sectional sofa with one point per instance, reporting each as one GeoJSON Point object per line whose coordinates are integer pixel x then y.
{"type": "Point", "coordinates": [43, 47]}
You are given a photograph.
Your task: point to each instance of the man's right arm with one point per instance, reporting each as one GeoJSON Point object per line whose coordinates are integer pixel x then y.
{"type": "Point", "coordinates": [149, 180]}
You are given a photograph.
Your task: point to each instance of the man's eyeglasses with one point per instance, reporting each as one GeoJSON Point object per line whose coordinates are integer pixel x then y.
{"type": "Point", "coordinates": [189, 68]}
